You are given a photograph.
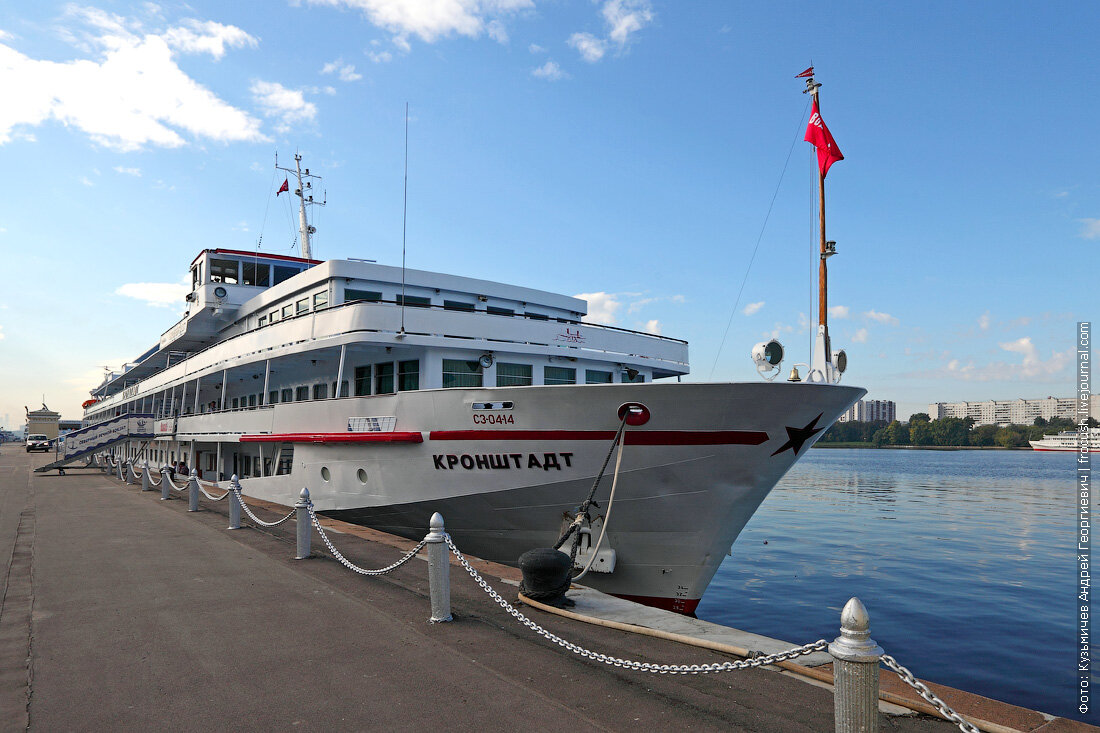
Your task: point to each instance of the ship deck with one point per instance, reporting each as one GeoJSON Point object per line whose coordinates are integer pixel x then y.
{"type": "Point", "coordinates": [123, 612]}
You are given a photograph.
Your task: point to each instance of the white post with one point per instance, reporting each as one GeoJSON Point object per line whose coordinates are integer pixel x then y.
{"type": "Point", "coordinates": [145, 478]}
{"type": "Point", "coordinates": [193, 492]}
{"type": "Point", "coordinates": [340, 371]}
{"type": "Point", "coordinates": [198, 389]}
{"type": "Point", "coordinates": [855, 672]}
{"type": "Point", "coordinates": [267, 381]}
{"type": "Point", "coordinates": [234, 503]}
{"type": "Point", "coordinates": [164, 484]}
{"type": "Point", "coordinates": [439, 571]}
{"type": "Point", "coordinates": [225, 387]}
{"type": "Point", "coordinates": [304, 524]}
{"type": "Point", "coordinates": [183, 397]}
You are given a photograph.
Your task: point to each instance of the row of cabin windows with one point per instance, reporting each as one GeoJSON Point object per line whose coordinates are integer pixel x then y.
{"type": "Point", "coordinates": [234, 272]}
{"type": "Point", "coordinates": [462, 373]}
{"type": "Point", "coordinates": [302, 305]}
{"type": "Point", "coordinates": [408, 377]}
{"type": "Point", "coordinates": [417, 301]}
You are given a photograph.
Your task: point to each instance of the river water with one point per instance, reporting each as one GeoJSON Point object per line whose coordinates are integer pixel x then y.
{"type": "Point", "coordinates": [966, 561]}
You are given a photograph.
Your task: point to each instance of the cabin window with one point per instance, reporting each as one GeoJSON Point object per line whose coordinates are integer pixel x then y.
{"type": "Point", "coordinates": [302, 305]}
{"type": "Point", "coordinates": [559, 375]}
{"type": "Point", "coordinates": [513, 375]}
{"type": "Point", "coordinates": [637, 378]}
{"type": "Point", "coordinates": [595, 376]}
{"type": "Point", "coordinates": [255, 273]}
{"type": "Point", "coordinates": [196, 276]}
{"type": "Point", "coordinates": [362, 380]}
{"type": "Point", "coordinates": [273, 397]}
{"type": "Point", "coordinates": [461, 373]}
{"type": "Point", "coordinates": [263, 321]}
{"type": "Point", "coordinates": [320, 300]}
{"type": "Point", "coordinates": [223, 271]}
{"type": "Point", "coordinates": [301, 394]}
{"type": "Point", "coordinates": [498, 311]}
{"type": "Point", "coordinates": [287, 395]}
{"type": "Point", "coordinates": [383, 378]}
{"type": "Point", "coordinates": [273, 316]}
{"type": "Point", "coordinates": [320, 391]}
{"type": "Point", "coordinates": [538, 316]}
{"type": "Point", "coordinates": [413, 301]}
{"type": "Point", "coordinates": [236, 403]}
{"type": "Point", "coordinates": [352, 295]}
{"type": "Point", "coordinates": [457, 305]}
{"type": "Point", "coordinates": [286, 461]}
{"type": "Point", "coordinates": [251, 400]}
{"type": "Point", "coordinates": [283, 273]}
{"type": "Point", "coordinates": [408, 375]}
{"type": "Point", "coordinates": [288, 311]}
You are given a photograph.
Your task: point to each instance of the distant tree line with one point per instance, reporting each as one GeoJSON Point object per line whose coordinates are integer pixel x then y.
{"type": "Point", "coordinates": [946, 432]}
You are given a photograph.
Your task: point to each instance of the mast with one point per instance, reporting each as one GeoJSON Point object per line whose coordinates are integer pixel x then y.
{"type": "Point", "coordinates": [305, 196]}
{"type": "Point", "coordinates": [822, 361]}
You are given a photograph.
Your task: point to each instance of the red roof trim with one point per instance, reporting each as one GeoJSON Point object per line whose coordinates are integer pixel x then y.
{"type": "Point", "coordinates": [396, 437]}
{"type": "Point", "coordinates": [635, 437]}
{"type": "Point", "coordinates": [261, 255]}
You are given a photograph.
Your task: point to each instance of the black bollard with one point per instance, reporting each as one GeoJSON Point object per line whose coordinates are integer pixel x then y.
{"type": "Point", "coordinates": [546, 576]}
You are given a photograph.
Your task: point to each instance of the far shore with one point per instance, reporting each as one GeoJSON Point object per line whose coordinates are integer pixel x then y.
{"type": "Point", "coordinates": [918, 447]}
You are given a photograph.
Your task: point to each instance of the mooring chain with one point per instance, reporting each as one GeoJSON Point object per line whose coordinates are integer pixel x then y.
{"type": "Point", "coordinates": [927, 694]}
{"type": "Point", "coordinates": [256, 519]}
{"type": "Point", "coordinates": [817, 646]}
{"type": "Point", "coordinates": [348, 563]}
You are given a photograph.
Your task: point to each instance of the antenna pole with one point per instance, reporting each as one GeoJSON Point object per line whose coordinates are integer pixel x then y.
{"type": "Point", "coordinates": [404, 217]}
{"type": "Point", "coordinates": [303, 225]}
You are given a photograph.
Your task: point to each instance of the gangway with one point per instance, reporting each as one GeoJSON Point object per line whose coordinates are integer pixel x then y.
{"type": "Point", "coordinates": [85, 442]}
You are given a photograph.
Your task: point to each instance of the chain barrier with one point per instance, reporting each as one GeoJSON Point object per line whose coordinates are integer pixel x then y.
{"type": "Point", "coordinates": [922, 690]}
{"type": "Point", "coordinates": [256, 519]}
{"type": "Point", "coordinates": [348, 563]}
{"type": "Point", "coordinates": [172, 483]}
{"type": "Point", "coordinates": [763, 661]}
{"type": "Point", "coordinates": [214, 498]}
{"type": "Point", "coordinates": [156, 483]}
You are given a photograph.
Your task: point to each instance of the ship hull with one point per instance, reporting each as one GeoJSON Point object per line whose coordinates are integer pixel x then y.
{"type": "Point", "coordinates": [508, 480]}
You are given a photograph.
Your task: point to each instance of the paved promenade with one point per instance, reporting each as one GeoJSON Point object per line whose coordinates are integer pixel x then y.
{"type": "Point", "coordinates": [123, 612]}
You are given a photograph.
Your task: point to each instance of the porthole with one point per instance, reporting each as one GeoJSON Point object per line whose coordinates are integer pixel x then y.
{"type": "Point", "coordinates": [325, 473]}
{"type": "Point", "coordinates": [362, 474]}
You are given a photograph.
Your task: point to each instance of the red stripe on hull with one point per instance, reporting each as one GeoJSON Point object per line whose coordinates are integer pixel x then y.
{"type": "Point", "coordinates": [685, 606]}
{"type": "Point", "coordinates": [637, 437]}
{"type": "Point", "coordinates": [404, 437]}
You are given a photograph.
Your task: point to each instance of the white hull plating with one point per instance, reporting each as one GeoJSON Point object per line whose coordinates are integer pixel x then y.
{"type": "Point", "coordinates": [504, 479]}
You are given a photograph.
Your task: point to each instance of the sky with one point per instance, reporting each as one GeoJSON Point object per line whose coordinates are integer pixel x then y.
{"type": "Point", "coordinates": [645, 155]}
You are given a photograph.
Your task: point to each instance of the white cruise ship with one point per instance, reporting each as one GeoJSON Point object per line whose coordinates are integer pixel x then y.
{"type": "Point", "coordinates": [392, 394]}
{"type": "Point", "coordinates": [1068, 440]}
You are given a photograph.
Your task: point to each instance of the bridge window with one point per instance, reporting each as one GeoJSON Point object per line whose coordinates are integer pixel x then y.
{"type": "Point", "coordinates": [255, 273]}
{"type": "Point", "coordinates": [383, 378]}
{"type": "Point", "coordinates": [513, 375]}
{"type": "Point", "coordinates": [595, 376]}
{"type": "Point", "coordinates": [320, 300]}
{"type": "Point", "coordinates": [559, 375]}
{"type": "Point", "coordinates": [362, 380]}
{"type": "Point", "coordinates": [461, 373]}
{"type": "Point", "coordinates": [303, 305]}
{"type": "Point", "coordinates": [283, 273]}
{"type": "Point", "coordinates": [457, 305]}
{"type": "Point", "coordinates": [263, 321]}
{"type": "Point", "coordinates": [288, 311]}
{"type": "Point", "coordinates": [498, 311]}
{"type": "Point", "coordinates": [408, 375]}
{"type": "Point", "coordinates": [223, 271]}
{"type": "Point", "coordinates": [413, 301]}
{"type": "Point", "coordinates": [369, 295]}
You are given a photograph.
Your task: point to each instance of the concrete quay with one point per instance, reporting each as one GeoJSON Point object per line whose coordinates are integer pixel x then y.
{"type": "Point", "coordinates": [119, 611]}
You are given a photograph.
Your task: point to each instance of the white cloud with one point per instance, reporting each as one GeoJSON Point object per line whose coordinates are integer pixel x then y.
{"type": "Point", "coordinates": [860, 336]}
{"type": "Point", "coordinates": [1090, 228]}
{"type": "Point", "coordinates": [1033, 368]}
{"type": "Point", "coordinates": [380, 57]}
{"type": "Point", "coordinates": [622, 18]}
{"type": "Point", "coordinates": [536, 48]}
{"type": "Point", "coordinates": [601, 307]}
{"type": "Point", "coordinates": [197, 36]}
{"type": "Point", "coordinates": [590, 48]}
{"type": "Point", "coordinates": [4, 35]}
{"type": "Point", "coordinates": [288, 106]}
{"type": "Point", "coordinates": [86, 181]}
{"type": "Point", "coordinates": [549, 71]}
{"type": "Point", "coordinates": [1, 333]}
{"type": "Point", "coordinates": [433, 19]}
{"type": "Point", "coordinates": [984, 321]}
{"type": "Point", "coordinates": [881, 317]}
{"type": "Point", "coordinates": [135, 172]}
{"type": "Point", "coordinates": [160, 295]}
{"type": "Point", "coordinates": [130, 93]}
{"type": "Point", "coordinates": [653, 327]}
{"type": "Point", "coordinates": [625, 17]}
{"type": "Point", "coordinates": [838, 311]}
{"type": "Point", "coordinates": [753, 308]}
{"type": "Point", "coordinates": [497, 31]}
{"type": "Point", "coordinates": [346, 72]}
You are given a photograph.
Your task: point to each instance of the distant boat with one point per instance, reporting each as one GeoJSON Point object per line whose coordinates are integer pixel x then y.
{"type": "Point", "coordinates": [1067, 440]}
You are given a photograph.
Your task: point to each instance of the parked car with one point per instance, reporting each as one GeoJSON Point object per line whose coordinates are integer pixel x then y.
{"type": "Point", "coordinates": [37, 441]}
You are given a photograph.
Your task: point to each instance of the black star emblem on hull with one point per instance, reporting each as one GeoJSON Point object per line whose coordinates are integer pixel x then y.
{"type": "Point", "coordinates": [796, 437]}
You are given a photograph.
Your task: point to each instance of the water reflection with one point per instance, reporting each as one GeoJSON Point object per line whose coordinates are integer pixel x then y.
{"type": "Point", "coordinates": [974, 541]}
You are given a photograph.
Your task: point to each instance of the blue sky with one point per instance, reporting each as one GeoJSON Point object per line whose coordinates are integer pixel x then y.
{"type": "Point", "coordinates": [624, 149]}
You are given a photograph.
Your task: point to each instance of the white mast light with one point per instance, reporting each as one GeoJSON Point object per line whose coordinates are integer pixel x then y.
{"type": "Point", "coordinates": [768, 355]}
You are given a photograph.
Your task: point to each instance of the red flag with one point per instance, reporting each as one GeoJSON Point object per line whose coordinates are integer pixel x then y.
{"type": "Point", "coordinates": [807, 72]}
{"type": "Point", "coordinates": [818, 135]}
{"type": "Point", "coordinates": [286, 183]}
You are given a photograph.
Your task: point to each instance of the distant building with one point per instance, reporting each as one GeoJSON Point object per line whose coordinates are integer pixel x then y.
{"type": "Point", "coordinates": [44, 421]}
{"type": "Point", "coordinates": [1005, 412]}
{"type": "Point", "coordinates": [870, 411]}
